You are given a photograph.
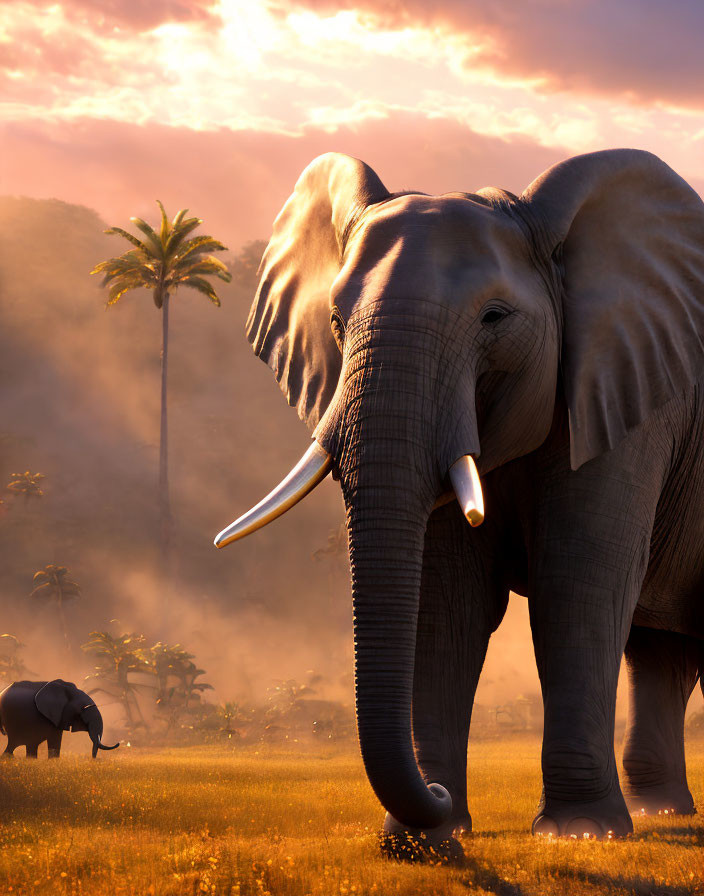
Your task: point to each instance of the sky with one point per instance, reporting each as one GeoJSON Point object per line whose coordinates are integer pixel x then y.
{"type": "Point", "coordinates": [220, 105]}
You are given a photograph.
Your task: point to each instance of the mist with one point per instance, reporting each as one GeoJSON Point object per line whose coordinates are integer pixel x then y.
{"type": "Point", "coordinates": [80, 404]}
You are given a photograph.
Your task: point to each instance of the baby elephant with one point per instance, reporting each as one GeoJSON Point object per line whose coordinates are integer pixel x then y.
{"type": "Point", "coordinates": [32, 712]}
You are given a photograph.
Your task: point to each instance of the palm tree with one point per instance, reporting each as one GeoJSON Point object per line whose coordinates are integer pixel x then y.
{"type": "Point", "coordinates": [162, 262]}
{"type": "Point", "coordinates": [27, 484]}
{"type": "Point", "coordinates": [118, 658]}
{"type": "Point", "coordinates": [53, 584]}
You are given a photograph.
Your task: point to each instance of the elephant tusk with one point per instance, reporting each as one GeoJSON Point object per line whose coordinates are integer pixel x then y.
{"type": "Point", "coordinates": [310, 470]}
{"type": "Point", "coordinates": [468, 489]}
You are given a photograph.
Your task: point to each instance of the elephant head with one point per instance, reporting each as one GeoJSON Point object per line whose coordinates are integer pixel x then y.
{"type": "Point", "coordinates": [67, 707]}
{"type": "Point", "coordinates": [418, 334]}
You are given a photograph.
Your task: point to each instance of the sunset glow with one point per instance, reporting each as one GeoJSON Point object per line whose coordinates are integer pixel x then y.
{"type": "Point", "coordinates": [328, 75]}
{"type": "Point", "coordinates": [256, 279]}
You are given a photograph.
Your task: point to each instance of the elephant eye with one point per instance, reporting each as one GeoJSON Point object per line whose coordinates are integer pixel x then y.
{"type": "Point", "coordinates": [493, 315]}
{"type": "Point", "coordinates": [338, 328]}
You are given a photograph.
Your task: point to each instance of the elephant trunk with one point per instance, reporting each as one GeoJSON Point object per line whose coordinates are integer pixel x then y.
{"type": "Point", "coordinates": [386, 557]}
{"type": "Point", "coordinates": [95, 732]}
{"type": "Point", "coordinates": [382, 433]}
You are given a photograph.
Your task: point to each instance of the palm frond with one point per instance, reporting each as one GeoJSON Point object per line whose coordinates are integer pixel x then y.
{"type": "Point", "coordinates": [151, 235]}
{"type": "Point", "coordinates": [71, 588]}
{"type": "Point", "coordinates": [125, 285]}
{"type": "Point", "coordinates": [179, 234]}
{"type": "Point", "coordinates": [165, 226]}
{"type": "Point", "coordinates": [118, 231]}
{"type": "Point", "coordinates": [197, 244]}
{"type": "Point", "coordinates": [41, 590]}
{"type": "Point", "coordinates": [202, 285]}
{"type": "Point", "coordinates": [208, 265]}
{"type": "Point", "coordinates": [133, 262]}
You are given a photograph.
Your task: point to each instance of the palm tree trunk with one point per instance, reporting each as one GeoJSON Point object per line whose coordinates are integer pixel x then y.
{"type": "Point", "coordinates": [164, 504]}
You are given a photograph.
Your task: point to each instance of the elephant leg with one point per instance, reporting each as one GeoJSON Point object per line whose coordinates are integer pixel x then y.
{"type": "Point", "coordinates": [588, 562]}
{"type": "Point", "coordinates": [461, 604]}
{"type": "Point", "coordinates": [53, 742]}
{"type": "Point", "coordinates": [32, 751]}
{"type": "Point", "coordinates": [662, 668]}
{"type": "Point", "coordinates": [9, 752]}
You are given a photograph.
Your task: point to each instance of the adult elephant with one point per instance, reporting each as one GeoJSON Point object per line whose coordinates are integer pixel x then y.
{"type": "Point", "coordinates": [556, 339]}
{"type": "Point", "coordinates": [32, 712]}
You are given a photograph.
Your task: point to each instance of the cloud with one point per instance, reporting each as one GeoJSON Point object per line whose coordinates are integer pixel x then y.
{"type": "Point", "coordinates": [639, 50]}
{"type": "Point", "coordinates": [130, 15]}
{"type": "Point", "coordinates": [302, 72]}
{"type": "Point", "coordinates": [238, 181]}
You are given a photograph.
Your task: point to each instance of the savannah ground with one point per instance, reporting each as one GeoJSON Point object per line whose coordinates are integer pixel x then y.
{"type": "Point", "coordinates": [261, 820]}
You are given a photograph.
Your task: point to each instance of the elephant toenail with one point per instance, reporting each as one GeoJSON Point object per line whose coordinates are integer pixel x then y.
{"type": "Point", "coordinates": [544, 826]}
{"type": "Point", "coordinates": [584, 829]}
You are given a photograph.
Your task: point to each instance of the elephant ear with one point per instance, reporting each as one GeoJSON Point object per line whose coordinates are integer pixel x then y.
{"type": "Point", "coordinates": [52, 699]}
{"type": "Point", "coordinates": [631, 234]}
{"type": "Point", "coordinates": [289, 322]}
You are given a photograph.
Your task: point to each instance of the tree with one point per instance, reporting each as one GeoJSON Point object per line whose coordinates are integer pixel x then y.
{"type": "Point", "coordinates": [245, 266]}
{"type": "Point", "coordinates": [26, 484]}
{"type": "Point", "coordinates": [118, 658]}
{"type": "Point", "coordinates": [12, 667]}
{"type": "Point", "coordinates": [161, 262]}
{"type": "Point", "coordinates": [53, 585]}
{"type": "Point", "coordinates": [178, 692]}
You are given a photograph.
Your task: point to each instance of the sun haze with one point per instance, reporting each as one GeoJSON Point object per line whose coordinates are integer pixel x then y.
{"type": "Point", "coordinates": [108, 104]}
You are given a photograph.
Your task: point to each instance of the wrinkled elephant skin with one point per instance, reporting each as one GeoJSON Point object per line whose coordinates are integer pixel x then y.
{"type": "Point", "coordinates": [556, 338]}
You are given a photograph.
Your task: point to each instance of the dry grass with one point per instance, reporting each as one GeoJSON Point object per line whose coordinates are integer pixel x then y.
{"type": "Point", "coordinates": [196, 821]}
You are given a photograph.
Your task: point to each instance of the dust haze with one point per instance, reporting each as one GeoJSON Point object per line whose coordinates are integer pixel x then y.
{"type": "Point", "coordinates": [80, 403]}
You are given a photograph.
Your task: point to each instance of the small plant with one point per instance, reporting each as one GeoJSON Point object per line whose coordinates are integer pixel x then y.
{"type": "Point", "coordinates": [233, 719]}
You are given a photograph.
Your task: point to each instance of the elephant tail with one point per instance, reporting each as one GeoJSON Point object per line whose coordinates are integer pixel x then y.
{"type": "Point", "coordinates": [2, 726]}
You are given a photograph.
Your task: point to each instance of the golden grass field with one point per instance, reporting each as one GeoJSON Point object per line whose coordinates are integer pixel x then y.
{"type": "Point", "coordinates": [268, 821]}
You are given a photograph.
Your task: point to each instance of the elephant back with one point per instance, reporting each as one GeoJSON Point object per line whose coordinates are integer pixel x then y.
{"type": "Point", "coordinates": [17, 694]}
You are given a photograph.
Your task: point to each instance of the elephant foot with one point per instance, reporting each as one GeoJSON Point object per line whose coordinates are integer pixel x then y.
{"type": "Point", "coordinates": [605, 819]}
{"type": "Point", "coordinates": [463, 824]}
{"type": "Point", "coordinates": [664, 799]}
{"type": "Point", "coordinates": [433, 845]}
